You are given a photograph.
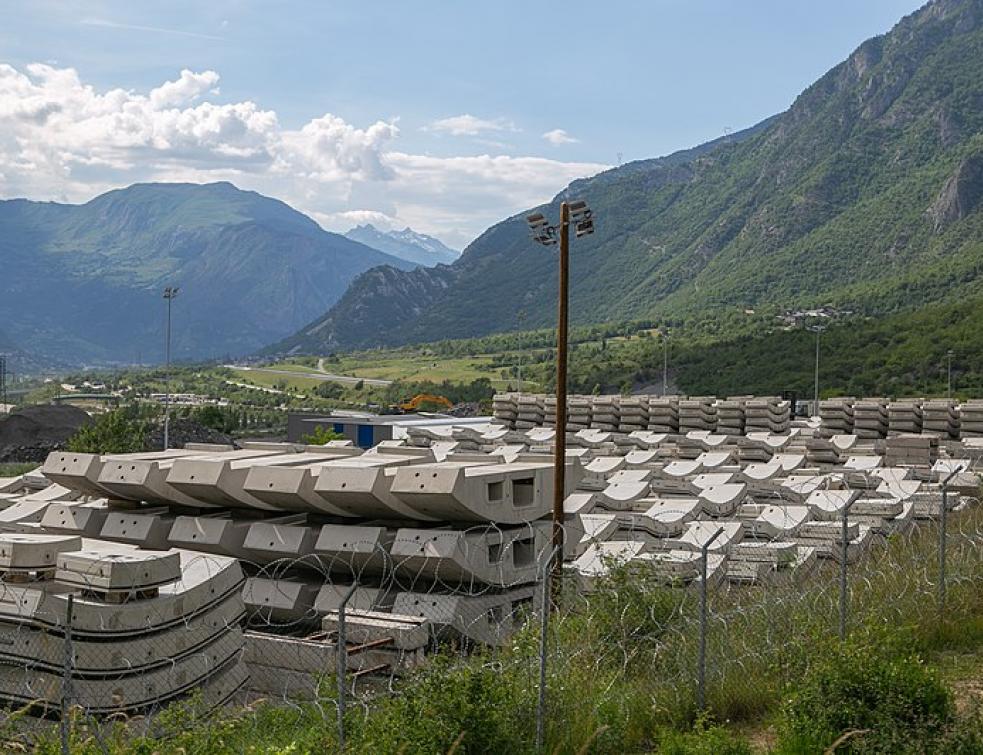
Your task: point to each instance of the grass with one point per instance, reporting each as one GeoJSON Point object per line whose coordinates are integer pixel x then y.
{"type": "Point", "coordinates": [13, 470]}
{"type": "Point", "coordinates": [416, 367]}
{"type": "Point", "coordinates": [622, 668]}
{"type": "Point", "coordinates": [268, 380]}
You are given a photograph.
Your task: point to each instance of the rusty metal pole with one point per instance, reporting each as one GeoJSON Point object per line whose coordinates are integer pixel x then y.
{"type": "Point", "coordinates": [560, 440]}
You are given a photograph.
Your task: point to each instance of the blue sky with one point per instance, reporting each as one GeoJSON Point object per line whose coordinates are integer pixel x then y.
{"type": "Point", "coordinates": [445, 116]}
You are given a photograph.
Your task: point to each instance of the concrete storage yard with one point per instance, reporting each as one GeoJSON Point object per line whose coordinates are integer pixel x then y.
{"type": "Point", "coordinates": [226, 569]}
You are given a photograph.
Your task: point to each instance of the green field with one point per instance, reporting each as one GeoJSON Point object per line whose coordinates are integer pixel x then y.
{"type": "Point", "coordinates": [401, 364]}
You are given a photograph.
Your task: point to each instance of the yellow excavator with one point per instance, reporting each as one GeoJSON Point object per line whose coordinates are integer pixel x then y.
{"type": "Point", "coordinates": [425, 399]}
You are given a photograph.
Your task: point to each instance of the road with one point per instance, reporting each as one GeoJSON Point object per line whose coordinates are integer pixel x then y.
{"type": "Point", "coordinates": [323, 376]}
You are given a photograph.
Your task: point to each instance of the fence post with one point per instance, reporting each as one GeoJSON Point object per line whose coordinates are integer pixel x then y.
{"type": "Point", "coordinates": [844, 555]}
{"type": "Point", "coordinates": [66, 680]}
{"type": "Point", "coordinates": [943, 521]}
{"type": "Point", "coordinates": [544, 611]}
{"type": "Point", "coordinates": [341, 655]}
{"type": "Point", "coordinates": [701, 662]}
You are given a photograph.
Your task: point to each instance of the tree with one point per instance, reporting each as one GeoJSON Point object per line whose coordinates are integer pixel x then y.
{"type": "Point", "coordinates": [329, 390]}
{"type": "Point", "coordinates": [116, 432]}
{"type": "Point", "coordinates": [320, 436]}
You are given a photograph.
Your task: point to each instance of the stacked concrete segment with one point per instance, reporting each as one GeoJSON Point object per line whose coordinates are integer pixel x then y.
{"type": "Point", "coordinates": [730, 416]}
{"type": "Point", "coordinates": [870, 418]}
{"type": "Point", "coordinates": [941, 416]}
{"type": "Point", "coordinates": [904, 416]}
{"type": "Point", "coordinates": [971, 419]}
{"type": "Point", "coordinates": [147, 627]}
{"type": "Point", "coordinates": [836, 415]}
{"type": "Point", "coordinates": [664, 414]}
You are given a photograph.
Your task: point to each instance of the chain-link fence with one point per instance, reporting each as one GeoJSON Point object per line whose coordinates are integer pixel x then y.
{"type": "Point", "coordinates": [103, 645]}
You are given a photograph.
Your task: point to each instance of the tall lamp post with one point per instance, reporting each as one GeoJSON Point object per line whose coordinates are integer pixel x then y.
{"type": "Point", "coordinates": [170, 293]}
{"type": "Point", "coordinates": [578, 214]}
{"type": "Point", "coordinates": [817, 329]}
{"type": "Point", "coordinates": [520, 318]}
{"type": "Point", "coordinates": [948, 389]}
{"type": "Point", "coordinates": [665, 362]}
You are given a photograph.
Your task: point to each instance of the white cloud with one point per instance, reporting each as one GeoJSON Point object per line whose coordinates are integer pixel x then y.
{"type": "Point", "coordinates": [61, 139]}
{"type": "Point", "coordinates": [469, 125]}
{"type": "Point", "coordinates": [558, 136]}
{"type": "Point", "coordinates": [189, 87]}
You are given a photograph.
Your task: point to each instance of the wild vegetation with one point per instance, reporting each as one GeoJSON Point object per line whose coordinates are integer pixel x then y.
{"type": "Point", "coordinates": [621, 676]}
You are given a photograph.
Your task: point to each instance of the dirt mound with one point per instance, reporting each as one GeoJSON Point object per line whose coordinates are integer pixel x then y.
{"type": "Point", "coordinates": [185, 431]}
{"type": "Point", "coordinates": [34, 430]}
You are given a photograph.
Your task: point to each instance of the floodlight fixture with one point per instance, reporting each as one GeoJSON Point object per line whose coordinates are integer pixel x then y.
{"type": "Point", "coordinates": [542, 232]}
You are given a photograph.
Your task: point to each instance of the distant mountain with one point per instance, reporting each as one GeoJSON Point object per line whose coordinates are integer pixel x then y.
{"type": "Point", "coordinates": [83, 283]}
{"type": "Point", "coordinates": [406, 244]}
{"type": "Point", "coordinates": [867, 192]}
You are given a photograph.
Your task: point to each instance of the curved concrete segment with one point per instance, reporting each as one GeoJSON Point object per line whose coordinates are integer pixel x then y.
{"type": "Point", "coordinates": [497, 557]}
{"type": "Point", "coordinates": [490, 618]}
{"type": "Point", "coordinates": [25, 643]}
{"type": "Point", "coordinates": [498, 493]}
{"type": "Point", "coordinates": [80, 472]}
{"type": "Point", "coordinates": [115, 695]}
{"type": "Point", "coordinates": [355, 550]}
{"type": "Point", "coordinates": [290, 488]}
{"type": "Point", "coordinates": [364, 491]}
{"type": "Point", "coordinates": [210, 534]}
{"type": "Point", "coordinates": [220, 481]}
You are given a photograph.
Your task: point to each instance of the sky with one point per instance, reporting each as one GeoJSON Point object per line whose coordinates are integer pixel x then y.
{"type": "Point", "coordinates": [443, 116]}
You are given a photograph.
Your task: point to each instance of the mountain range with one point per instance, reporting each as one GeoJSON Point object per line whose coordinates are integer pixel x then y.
{"type": "Point", "coordinates": [406, 244]}
{"type": "Point", "coordinates": [83, 283]}
{"type": "Point", "coordinates": [866, 192]}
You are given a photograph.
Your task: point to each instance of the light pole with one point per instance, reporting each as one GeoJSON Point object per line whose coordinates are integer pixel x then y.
{"type": "Point", "coordinates": [665, 362]}
{"type": "Point", "coordinates": [170, 293]}
{"type": "Point", "coordinates": [817, 329]}
{"type": "Point", "coordinates": [948, 389]}
{"type": "Point", "coordinates": [543, 233]}
{"type": "Point", "coordinates": [520, 317]}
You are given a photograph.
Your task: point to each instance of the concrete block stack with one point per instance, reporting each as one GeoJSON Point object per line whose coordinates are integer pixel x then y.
{"type": "Point", "coordinates": [579, 413]}
{"type": "Point", "coordinates": [769, 414]}
{"type": "Point", "coordinates": [870, 418]}
{"type": "Point", "coordinates": [529, 411]}
{"type": "Point", "coordinates": [836, 415]}
{"type": "Point", "coordinates": [505, 409]}
{"type": "Point", "coordinates": [971, 419]}
{"type": "Point", "coordinates": [941, 416]}
{"type": "Point", "coordinates": [908, 450]}
{"type": "Point", "coordinates": [664, 414]}
{"type": "Point", "coordinates": [730, 416]}
{"type": "Point", "coordinates": [606, 413]}
{"type": "Point", "coordinates": [147, 627]}
{"type": "Point", "coordinates": [697, 413]}
{"type": "Point", "coordinates": [904, 416]}
{"type": "Point", "coordinates": [634, 414]}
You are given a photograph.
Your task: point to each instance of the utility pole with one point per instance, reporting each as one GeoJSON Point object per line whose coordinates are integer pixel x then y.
{"type": "Point", "coordinates": [170, 293]}
{"type": "Point", "coordinates": [543, 233]}
{"type": "Point", "coordinates": [665, 363]}
{"type": "Point", "coordinates": [818, 331]}
{"type": "Point", "coordinates": [520, 317]}
{"type": "Point", "coordinates": [560, 438]}
{"type": "Point", "coordinates": [3, 382]}
{"type": "Point", "coordinates": [948, 390]}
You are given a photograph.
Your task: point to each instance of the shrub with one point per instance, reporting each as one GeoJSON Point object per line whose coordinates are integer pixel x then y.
{"type": "Point", "coordinates": [898, 704]}
{"type": "Point", "coordinates": [704, 739]}
{"type": "Point", "coordinates": [329, 390]}
{"type": "Point", "coordinates": [475, 703]}
{"type": "Point", "coordinates": [320, 436]}
{"type": "Point", "coordinates": [116, 432]}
